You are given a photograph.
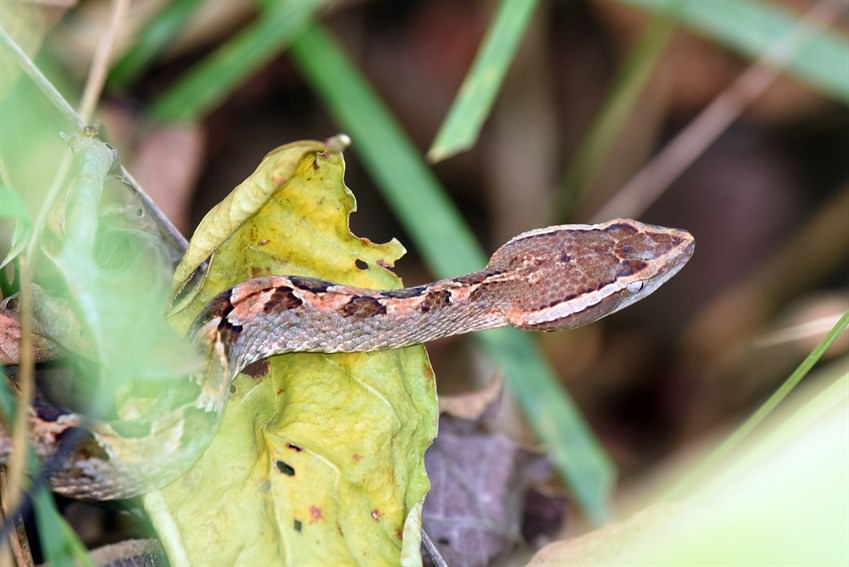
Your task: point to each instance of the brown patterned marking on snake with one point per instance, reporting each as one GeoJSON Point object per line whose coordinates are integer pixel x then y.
{"type": "Point", "coordinates": [282, 299]}
{"type": "Point", "coordinates": [471, 279]}
{"type": "Point", "coordinates": [482, 290]}
{"type": "Point", "coordinates": [362, 307]}
{"type": "Point", "coordinates": [46, 411]}
{"type": "Point", "coordinates": [435, 300]}
{"type": "Point", "coordinates": [629, 267]}
{"type": "Point", "coordinates": [220, 306]}
{"type": "Point", "coordinates": [312, 285]}
{"type": "Point", "coordinates": [621, 227]}
{"type": "Point", "coordinates": [83, 442]}
{"type": "Point", "coordinates": [404, 293]}
{"type": "Point", "coordinates": [361, 264]}
{"type": "Point", "coordinates": [228, 332]}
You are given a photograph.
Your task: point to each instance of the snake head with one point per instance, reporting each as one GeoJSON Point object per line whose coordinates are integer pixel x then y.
{"type": "Point", "coordinates": [571, 275]}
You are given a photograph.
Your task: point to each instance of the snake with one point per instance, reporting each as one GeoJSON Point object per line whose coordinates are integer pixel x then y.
{"type": "Point", "coordinates": [547, 279]}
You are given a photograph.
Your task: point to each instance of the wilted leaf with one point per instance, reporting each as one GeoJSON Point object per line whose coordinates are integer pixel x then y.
{"type": "Point", "coordinates": [481, 481]}
{"type": "Point", "coordinates": [319, 459]}
{"type": "Point", "coordinates": [101, 261]}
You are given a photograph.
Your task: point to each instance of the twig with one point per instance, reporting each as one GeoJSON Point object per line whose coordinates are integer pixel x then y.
{"type": "Point", "coordinates": [100, 61]}
{"type": "Point", "coordinates": [40, 81]}
{"type": "Point", "coordinates": [656, 176]}
{"type": "Point", "coordinates": [173, 236]}
{"type": "Point", "coordinates": [18, 459]}
{"type": "Point", "coordinates": [19, 542]}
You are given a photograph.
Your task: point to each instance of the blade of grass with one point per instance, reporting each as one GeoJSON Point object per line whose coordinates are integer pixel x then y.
{"type": "Point", "coordinates": [745, 430]}
{"type": "Point", "coordinates": [59, 543]}
{"type": "Point", "coordinates": [219, 74]}
{"type": "Point", "coordinates": [656, 176]}
{"type": "Point", "coordinates": [753, 27]}
{"type": "Point", "coordinates": [449, 248]}
{"type": "Point", "coordinates": [154, 38]}
{"type": "Point", "coordinates": [618, 107]}
{"type": "Point", "coordinates": [477, 93]}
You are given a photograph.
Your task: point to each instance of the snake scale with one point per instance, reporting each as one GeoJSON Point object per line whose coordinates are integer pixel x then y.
{"type": "Point", "coordinates": [546, 279]}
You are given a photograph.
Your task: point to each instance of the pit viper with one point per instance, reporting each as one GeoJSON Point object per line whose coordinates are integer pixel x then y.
{"type": "Point", "coordinates": [543, 280]}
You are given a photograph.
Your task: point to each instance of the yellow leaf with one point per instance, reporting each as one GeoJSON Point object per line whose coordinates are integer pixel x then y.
{"type": "Point", "coordinates": [320, 458]}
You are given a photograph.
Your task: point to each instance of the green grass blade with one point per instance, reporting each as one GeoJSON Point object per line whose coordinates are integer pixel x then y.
{"type": "Point", "coordinates": [60, 545]}
{"type": "Point", "coordinates": [477, 93]}
{"type": "Point", "coordinates": [213, 79]}
{"type": "Point", "coordinates": [745, 430]}
{"type": "Point", "coordinates": [449, 248]}
{"type": "Point", "coordinates": [753, 28]}
{"type": "Point", "coordinates": [156, 35]}
{"type": "Point", "coordinates": [618, 107]}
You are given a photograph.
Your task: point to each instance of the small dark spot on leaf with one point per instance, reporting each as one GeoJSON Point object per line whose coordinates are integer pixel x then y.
{"type": "Point", "coordinates": [294, 447]}
{"type": "Point", "coordinates": [376, 514]}
{"type": "Point", "coordinates": [263, 242]}
{"type": "Point", "coordinates": [256, 369]}
{"type": "Point", "coordinates": [443, 541]}
{"type": "Point", "coordinates": [298, 525]}
{"type": "Point", "coordinates": [284, 468]}
{"type": "Point", "coordinates": [232, 388]}
{"type": "Point", "coordinates": [361, 264]}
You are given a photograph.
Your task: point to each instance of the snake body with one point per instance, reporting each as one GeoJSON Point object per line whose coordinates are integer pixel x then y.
{"type": "Point", "coordinates": [546, 279]}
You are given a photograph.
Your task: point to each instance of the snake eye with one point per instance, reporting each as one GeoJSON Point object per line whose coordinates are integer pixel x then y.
{"type": "Point", "coordinates": [634, 287]}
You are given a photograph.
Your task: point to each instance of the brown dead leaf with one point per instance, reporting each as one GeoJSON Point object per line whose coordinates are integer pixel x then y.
{"type": "Point", "coordinates": [478, 505]}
